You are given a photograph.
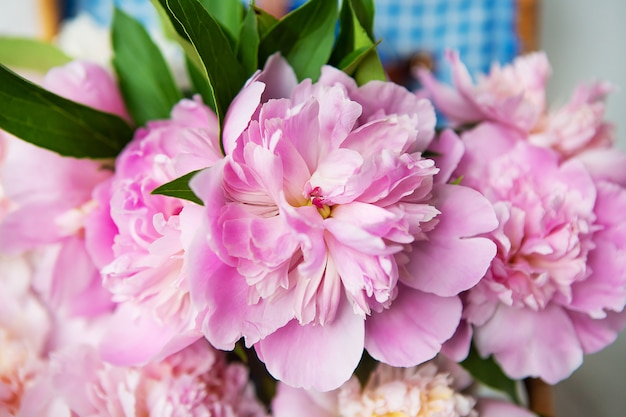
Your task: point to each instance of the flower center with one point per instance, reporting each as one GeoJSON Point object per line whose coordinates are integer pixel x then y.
{"type": "Point", "coordinates": [319, 201]}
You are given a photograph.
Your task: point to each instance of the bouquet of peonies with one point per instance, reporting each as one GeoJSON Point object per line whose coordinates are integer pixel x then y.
{"type": "Point", "coordinates": [291, 234]}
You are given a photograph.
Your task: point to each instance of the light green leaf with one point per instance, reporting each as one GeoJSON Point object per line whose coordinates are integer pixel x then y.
{"type": "Point", "coordinates": [53, 122]}
{"type": "Point", "coordinates": [175, 32]}
{"type": "Point", "coordinates": [304, 37]}
{"type": "Point", "coordinates": [144, 77]}
{"type": "Point", "coordinates": [225, 73]}
{"type": "Point", "coordinates": [30, 54]}
{"type": "Point", "coordinates": [364, 11]}
{"type": "Point", "coordinates": [265, 21]}
{"type": "Point", "coordinates": [179, 188]}
{"type": "Point", "coordinates": [200, 83]}
{"type": "Point", "coordinates": [355, 52]}
{"type": "Point", "coordinates": [249, 39]}
{"type": "Point", "coordinates": [228, 13]}
{"type": "Point", "coordinates": [487, 371]}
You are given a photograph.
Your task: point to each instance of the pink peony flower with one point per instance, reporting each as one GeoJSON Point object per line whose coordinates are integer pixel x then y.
{"type": "Point", "coordinates": [513, 95]}
{"type": "Point", "coordinates": [557, 287]}
{"type": "Point", "coordinates": [197, 381]}
{"type": "Point", "coordinates": [325, 230]}
{"type": "Point", "coordinates": [136, 238]}
{"type": "Point", "coordinates": [426, 390]}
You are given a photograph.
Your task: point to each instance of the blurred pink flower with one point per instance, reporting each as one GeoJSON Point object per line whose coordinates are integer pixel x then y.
{"type": "Point", "coordinates": [325, 230]}
{"type": "Point", "coordinates": [557, 287]}
{"type": "Point", "coordinates": [513, 95]}
{"type": "Point", "coordinates": [579, 125]}
{"type": "Point", "coordinates": [195, 382]}
{"type": "Point", "coordinates": [24, 328]}
{"type": "Point", "coordinates": [135, 237]}
{"type": "Point", "coordinates": [425, 390]}
{"type": "Point", "coordinates": [89, 84]}
{"type": "Point", "coordinates": [49, 197]}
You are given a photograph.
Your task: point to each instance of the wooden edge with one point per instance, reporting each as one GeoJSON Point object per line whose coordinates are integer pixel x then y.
{"type": "Point", "coordinates": [528, 24]}
{"type": "Point", "coordinates": [540, 397]}
{"type": "Point", "coordinates": [49, 17]}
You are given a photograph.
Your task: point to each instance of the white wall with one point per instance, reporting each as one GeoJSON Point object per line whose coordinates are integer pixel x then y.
{"type": "Point", "coordinates": [19, 18]}
{"type": "Point", "coordinates": [585, 40]}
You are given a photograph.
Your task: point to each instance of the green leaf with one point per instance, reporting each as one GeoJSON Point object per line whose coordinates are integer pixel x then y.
{"type": "Point", "coordinates": [53, 122]}
{"type": "Point", "coordinates": [175, 32]}
{"type": "Point", "coordinates": [200, 83]}
{"type": "Point", "coordinates": [249, 39]}
{"type": "Point", "coordinates": [144, 77]}
{"type": "Point", "coordinates": [364, 11]}
{"type": "Point", "coordinates": [179, 188]}
{"type": "Point", "coordinates": [30, 54]}
{"type": "Point", "coordinates": [228, 13]}
{"type": "Point", "coordinates": [225, 73]}
{"type": "Point", "coordinates": [265, 21]}
{"type": "Point", "coordinates": [487, 371]}
{"type": "Point", "coordinates": [163, 8]}
{"type": "Point", "coordinates": [304, 37]}
{"type": "Point", "coordinates": [355, 51]}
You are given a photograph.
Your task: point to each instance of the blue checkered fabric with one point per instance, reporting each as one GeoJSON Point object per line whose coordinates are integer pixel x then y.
{"type": "Point", "coordinates": [483, 31]}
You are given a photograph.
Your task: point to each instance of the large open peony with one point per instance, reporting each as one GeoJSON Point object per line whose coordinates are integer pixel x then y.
{"type": "Point", "coordinates": [326, 230]}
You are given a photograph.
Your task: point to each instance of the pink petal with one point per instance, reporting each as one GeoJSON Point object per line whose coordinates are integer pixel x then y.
{"type": "Point", "coordinates": [465, 214]}
{"type": "Point", "coordinates": [526, 343]}
{"type": "Point", "coordinates": [336, 348]}
{"type": "Point", "coordinates": [595, 335]}
{"type": "Point", "coordinates": [292, 402]}
{"type": "Point", "coordinates": [450, 149]}
{"type": "Point", "coordinates": [240, 112]}
{"type": "Point", "coordinates": [125, 341]}
{"type": "Point", "coordinates": [224, 296]}
{"type": "Point", "coordinates": [458, 346]}
{"type": "Point", "coordinates": [413, 329]}
{"type": "Point", "coordinates": [488, 407]}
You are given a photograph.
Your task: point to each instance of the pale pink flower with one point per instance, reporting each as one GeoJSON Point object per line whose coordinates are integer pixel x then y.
{"type": "Point", "coordinates": [89, 84]}
{"type": "Point", "coordinates": [195, 382]}
{"type": "Point", "coordinates": [50, 196]}
{"type": "Point", "coordinates": [135, 237]}
{"type": "Point", "coordinates": [579, 125]}
{"type": "Point", "coordinates": [557, 287]}
{"type": "Point", "coordinates": [325, 230]}
{"type": "Point", "coordinates": [427, 390]}
{"type": "Point", "coordinates": [24, 328]}
{"type": "Point", "coordinates": [513, 95]}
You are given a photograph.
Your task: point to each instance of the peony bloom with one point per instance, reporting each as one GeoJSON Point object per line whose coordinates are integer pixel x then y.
{"type": "Point", "coordinates": [195, 382]}
{"type": "Point", "coordinates": [557, 286]}
{"type": "Point", "coordinates": [136, 239]}
{"type": "Point", "coordinates": [427, 390]}
{"type": "Point", "coordinates": [325, 230]}
{"type": "Point", "coordinates": [513, 95]}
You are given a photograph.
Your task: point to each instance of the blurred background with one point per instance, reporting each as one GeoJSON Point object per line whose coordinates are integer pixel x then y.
{"type": "Point", "coordinates": [584, 40]}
